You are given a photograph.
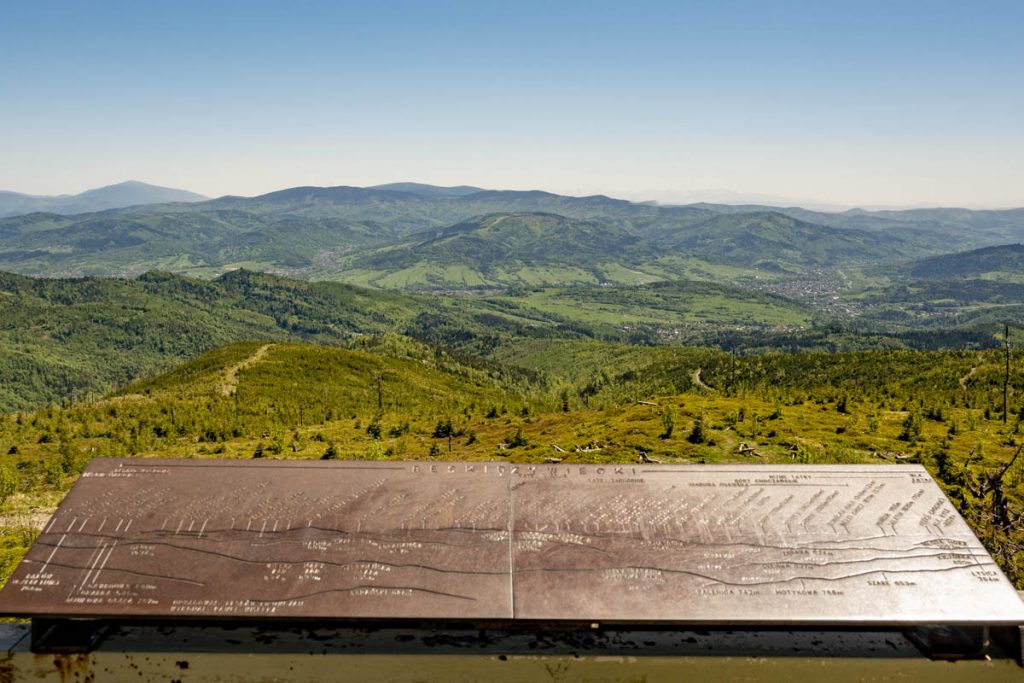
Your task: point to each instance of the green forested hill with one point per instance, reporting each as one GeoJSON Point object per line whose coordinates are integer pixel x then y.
{"type": "Point", "coordinates": [506, 249]}
{"type": "Point", "coordinates": [773, 241]}
{"type": "Point", "coordinates": [63, 339]}
{"type": "Point", "coordinates": [942, 228]}
{"type": "Point", "coordinates": [202, 243]}
{"type": "Point", "coordinates": [549, 249]}
{"type": "Point", "coordinates": [1004, 263]}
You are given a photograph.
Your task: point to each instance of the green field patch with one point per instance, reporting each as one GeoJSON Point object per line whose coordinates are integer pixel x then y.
{"type": "Point", "coordinates": [666, 305]}
{"type": "Point", "coordinates": [544, 275]}
{"type": "Point", "coordinates": [678, 267]}
{"type": "Point", "coordinates": [617, 272]}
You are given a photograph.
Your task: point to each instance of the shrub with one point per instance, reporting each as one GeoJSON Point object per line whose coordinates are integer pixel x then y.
{"type": "Point", "coordinates": [668, 421]}
{"type": "Point", "coordinates": [699, 433]}
{"type": "Point", "coordinates": [911, 427]}
{"type": "Point", "coordinates": [331, 453]}
{"type": "Point", "coordinates": [518, 439]}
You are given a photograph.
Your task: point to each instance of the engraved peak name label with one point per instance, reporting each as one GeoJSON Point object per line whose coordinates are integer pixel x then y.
{"type": "Point", "coordinates": [417, 540]}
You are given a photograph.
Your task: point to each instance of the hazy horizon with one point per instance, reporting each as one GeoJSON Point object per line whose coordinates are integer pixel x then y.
{"type": "Point", "coordinates": [866, 105]}
{"type": "Point", "coordinates": [721, 197]}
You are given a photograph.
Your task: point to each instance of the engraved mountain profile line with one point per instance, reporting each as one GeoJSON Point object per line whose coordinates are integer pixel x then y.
{"type": "Point", "coordinates": [484, 540]}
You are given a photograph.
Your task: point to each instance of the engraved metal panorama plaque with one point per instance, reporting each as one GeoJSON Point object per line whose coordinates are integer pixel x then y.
{"type": "Point", "coordinates": [830, 545]}
{"type": "Point", "coordinates": [222, 538]}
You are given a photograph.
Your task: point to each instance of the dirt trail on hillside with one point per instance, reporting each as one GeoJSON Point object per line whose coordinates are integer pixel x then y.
{"type": "Point", "coordinates": [963, 380]}
{"type": "Point", "coordinates": [699, 382]}
{"type": "Point", "coordinates": [231, 376]}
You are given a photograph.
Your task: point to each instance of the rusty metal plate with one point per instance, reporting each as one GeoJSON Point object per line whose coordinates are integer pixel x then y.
{"type": "Point", "coordinates": [464, 541]}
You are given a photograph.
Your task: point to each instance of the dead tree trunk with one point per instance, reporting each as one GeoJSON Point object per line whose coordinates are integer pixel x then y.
{"type": "Point", "coordinates": [732, 375]}
{"type": "Point", "coordinates": [1006, 376]}
{"type": "Point", "coordinates": [1000, 510]}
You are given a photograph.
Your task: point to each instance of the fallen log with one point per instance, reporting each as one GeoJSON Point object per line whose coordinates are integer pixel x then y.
{"type": "Point", "coordinates": [746, 449]}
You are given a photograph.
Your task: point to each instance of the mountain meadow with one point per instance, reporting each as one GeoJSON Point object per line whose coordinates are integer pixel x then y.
{"type": "Point", "coordinates": [416, 322]}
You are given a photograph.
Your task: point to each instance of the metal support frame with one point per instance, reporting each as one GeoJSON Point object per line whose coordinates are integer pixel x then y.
{"type": "Point", "coordinates": [68, 636]}
{"type": "Point", "coordinates": [936, 642]}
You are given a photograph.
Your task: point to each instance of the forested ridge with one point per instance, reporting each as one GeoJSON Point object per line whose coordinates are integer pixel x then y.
{"type": "Point", "coordinates": [69, 340]}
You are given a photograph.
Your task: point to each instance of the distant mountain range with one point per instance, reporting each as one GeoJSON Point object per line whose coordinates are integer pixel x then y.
{"type": "Point", "coordinates": [130, 193]}
{"type": "Point", "coordinates": [430, 190]}
{"type": "Point", "coordinates": [411, 235]}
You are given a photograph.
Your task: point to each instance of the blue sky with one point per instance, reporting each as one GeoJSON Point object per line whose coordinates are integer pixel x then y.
{"type": "Point", "coordinates": [847, 103]}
